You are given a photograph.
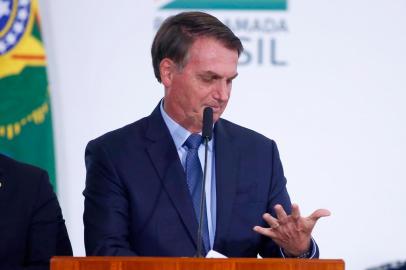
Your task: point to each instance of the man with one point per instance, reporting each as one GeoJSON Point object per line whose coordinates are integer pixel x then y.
{"type": "Point", "coordinates": [32, 229]}
{"type": "Point", "coordinates": [140, 196]}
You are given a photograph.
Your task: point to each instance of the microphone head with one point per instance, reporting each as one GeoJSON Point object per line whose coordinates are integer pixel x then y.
{"type": "Point", "coordinates": [207, 130]}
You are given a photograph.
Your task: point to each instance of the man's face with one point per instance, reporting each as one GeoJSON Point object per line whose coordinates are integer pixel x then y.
{"type": "Point", "coordinates": [205, 81]}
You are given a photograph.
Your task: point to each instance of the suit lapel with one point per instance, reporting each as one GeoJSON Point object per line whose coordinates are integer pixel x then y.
{"type": "Point", "coordinates": [164, 156]}
{"type": "Point", "coordinates": [227, 164]}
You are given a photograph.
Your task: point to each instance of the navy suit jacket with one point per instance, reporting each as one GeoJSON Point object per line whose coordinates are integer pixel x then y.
{"type": "Point", "coordinates": [32, 229]}
{"type": "Point", "coordinates": [137, 201]}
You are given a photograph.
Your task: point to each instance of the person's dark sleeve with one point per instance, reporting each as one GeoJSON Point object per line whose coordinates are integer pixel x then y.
{"type": "Point", "coordinates": [47, 236]}
{"type": "Point", "coordinates": [278, 195]}
{"type": "Point", "coordinates": [106, 215]}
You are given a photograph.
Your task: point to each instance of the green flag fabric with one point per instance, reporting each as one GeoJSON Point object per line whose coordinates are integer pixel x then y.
{"type": "Point", "coordinates": [25, 111]}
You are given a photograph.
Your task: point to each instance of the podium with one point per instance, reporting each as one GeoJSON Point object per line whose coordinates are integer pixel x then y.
{"type": "Point", "coordinates": [159, 263]}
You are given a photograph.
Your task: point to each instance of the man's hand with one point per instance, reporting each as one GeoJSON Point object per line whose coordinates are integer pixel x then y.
{"type": "Point", "coordinates": [292, 233]}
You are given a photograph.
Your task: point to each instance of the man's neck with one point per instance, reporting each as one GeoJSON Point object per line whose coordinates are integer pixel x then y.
{"type": "Point", "coordinates": [178, 115]}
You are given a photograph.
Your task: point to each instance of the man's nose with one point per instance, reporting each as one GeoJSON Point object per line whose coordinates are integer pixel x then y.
{"type": "Point", "coordinates": [222, 91]}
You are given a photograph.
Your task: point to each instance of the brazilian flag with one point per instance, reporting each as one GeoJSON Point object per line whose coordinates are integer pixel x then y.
{"type": "Point", "coordinates": [25, 110]}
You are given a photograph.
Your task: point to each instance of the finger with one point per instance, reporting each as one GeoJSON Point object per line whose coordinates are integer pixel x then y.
{"type": "Point", "coordinates": [280, 213]}
{"type": "Point", "coordinates": [295, 212]}
{"type": "Point", "coordinates": [319, 213]}
{"type": "Point", "coordinates": [272, 222]}
{"type": "Point", "coordinates": [264, 231]}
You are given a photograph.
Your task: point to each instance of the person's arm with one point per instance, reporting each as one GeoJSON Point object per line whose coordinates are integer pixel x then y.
{"type": "Point", "coordinates": [47, 235]}
{"type": "Point", "coordinates": [278, 194]}
{"type": "Point", "coordinates": [106, 215]}
{"type": "Point", "coordinates": [287, 228]}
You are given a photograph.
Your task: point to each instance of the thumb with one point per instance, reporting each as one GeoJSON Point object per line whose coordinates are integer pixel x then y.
{"type": "Point", "coordinates": [319, 213]}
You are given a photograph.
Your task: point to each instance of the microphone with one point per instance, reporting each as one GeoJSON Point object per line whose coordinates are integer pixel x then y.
{"type": "Point", "coordinates": [207, 133]}
{"type": "Point", "coordinates": [207, 130]}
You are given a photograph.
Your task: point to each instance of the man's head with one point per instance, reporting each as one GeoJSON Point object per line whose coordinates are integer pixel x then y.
{"type": "Point", "coordinates": [195, 57]}
{"type": "Point", "coordinates": [177, 34]}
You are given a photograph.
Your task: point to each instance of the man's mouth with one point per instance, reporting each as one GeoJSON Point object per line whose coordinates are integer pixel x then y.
{"type": "Point", "coordinates": [215, 108]}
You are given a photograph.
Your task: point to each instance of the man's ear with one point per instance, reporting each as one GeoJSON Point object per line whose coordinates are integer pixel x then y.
{"type": "Point", "coordinates": [167, 68]}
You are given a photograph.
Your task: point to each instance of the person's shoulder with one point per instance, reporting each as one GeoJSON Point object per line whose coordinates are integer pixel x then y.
{"type": "Point", "coordinates": [243, 134]}
{"type": "Point", "coordinates": [23, 181]}
{"type": "Point", "coordinates": [123, 135]}
{"type": "Point", "coordinates": [19, 169]}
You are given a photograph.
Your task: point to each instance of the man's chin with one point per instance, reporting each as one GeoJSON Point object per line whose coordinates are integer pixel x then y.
{"type": "Point", "coordinates": [216, 117]}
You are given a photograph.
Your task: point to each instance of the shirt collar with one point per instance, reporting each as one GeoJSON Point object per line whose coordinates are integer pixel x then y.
{"type": "Point", "coordinates": [179, 134]}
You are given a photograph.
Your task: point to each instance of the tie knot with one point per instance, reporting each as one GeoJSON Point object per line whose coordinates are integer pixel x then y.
{"type": "Point", "coordinates": [194, 141]}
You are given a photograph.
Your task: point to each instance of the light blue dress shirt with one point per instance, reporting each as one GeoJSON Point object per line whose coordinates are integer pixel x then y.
{"type": "Point", "coordinates": [179, 136]}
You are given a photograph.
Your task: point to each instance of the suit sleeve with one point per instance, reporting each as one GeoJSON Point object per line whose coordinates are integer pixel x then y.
{"type": "Point", "coordinates": [278, 195]}
{"type": "Point", "coordinates": [47, 234]}
{"type": "Point", "coordinates": [106, 218]}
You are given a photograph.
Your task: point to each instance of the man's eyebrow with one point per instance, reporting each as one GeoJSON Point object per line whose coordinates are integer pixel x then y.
{"type": "Point", "coordinates": [233, 77]}
{"type": "Point", "coordinates": [215, 75]}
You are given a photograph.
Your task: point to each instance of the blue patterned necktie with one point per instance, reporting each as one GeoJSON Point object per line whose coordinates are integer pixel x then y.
{"type": "Point", "coordinates": [194, 177]}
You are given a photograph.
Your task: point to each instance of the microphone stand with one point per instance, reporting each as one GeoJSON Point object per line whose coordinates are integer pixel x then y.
{"type": "Point", "coordinates": [207, 130]}
{"type": "Point", "coordinates": [202, 202]}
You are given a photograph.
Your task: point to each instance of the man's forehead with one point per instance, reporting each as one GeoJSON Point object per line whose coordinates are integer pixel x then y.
{"type": "Point", "coordinates": [209, 57]}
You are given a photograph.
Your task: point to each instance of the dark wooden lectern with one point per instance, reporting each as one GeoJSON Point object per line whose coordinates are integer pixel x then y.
{"type": "Point", "coordinates": [149, 263]}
